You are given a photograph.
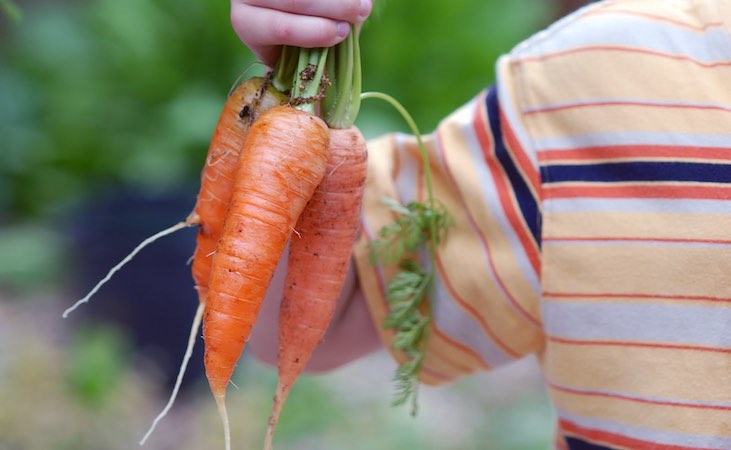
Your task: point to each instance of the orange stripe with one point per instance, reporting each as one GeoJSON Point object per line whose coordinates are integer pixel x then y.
{"type": "Point", "coordinates": [635, 151]}
{"type": "Point", "coordinates": [655, 190]}
{"type": "Point", "coordinates": [605, 103]}
{"type": "Point", "coordinates": [461, 347]}
{"type": "Point", "coordinates": [639, 239]}
{"type": "Point", "coordinates": [635, 295]}
{"type": "Point", "coordinates": [613, 439]}
{"type": "Point", "coordinates": [443, 378]}
{"type": "Point", "coordinates": [617, 396]}
{"type": "Point", "coordinates": [615, 48]}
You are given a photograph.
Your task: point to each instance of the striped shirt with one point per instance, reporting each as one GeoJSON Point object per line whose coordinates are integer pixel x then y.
{"type": "Point", "coordinates": [591, 195]}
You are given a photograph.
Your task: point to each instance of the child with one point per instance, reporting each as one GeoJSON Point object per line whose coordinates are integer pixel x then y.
{"type": "Point", "coordinates": [591, 198]}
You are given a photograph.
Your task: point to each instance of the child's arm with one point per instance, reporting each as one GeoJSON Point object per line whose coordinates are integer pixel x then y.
{"type": "Point", "coordinates": [264, 25]}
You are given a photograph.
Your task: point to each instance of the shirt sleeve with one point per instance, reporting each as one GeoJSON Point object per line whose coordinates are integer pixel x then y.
{"type": "Point", "coordinates": [485, 297]}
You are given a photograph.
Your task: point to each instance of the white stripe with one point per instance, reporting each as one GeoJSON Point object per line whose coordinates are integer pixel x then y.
{"type": "Point", "coordinates": [463, 328]}
{"type": "Point", "coordinates": [679, 323]}
{"type": "Point", "coordinates": [646, 434]}
{"type": "Point", "coordinates": [632, 138]}
{"type": "Point", "coordinates": [618, 205]}
{"type": "Point", "coordinates": [555, 28]}
{"type": "Point", "coordinates": [623, 30]}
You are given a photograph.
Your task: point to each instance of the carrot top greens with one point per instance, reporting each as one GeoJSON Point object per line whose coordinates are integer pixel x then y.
{"type": "Point", "coordinates": [419, 227]}
{"type": "Point", "coordinates": [326, 77]}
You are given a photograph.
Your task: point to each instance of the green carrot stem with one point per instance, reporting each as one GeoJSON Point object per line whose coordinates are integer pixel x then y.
{"type": "Point", "coordinates": [284, 70]}
{"type": "Point", "coordinates": [343, 106]}
{"type": "Point", "coordinates": [357, 78]}
{"type": "Point", "coordinates": [415, 130]}
{"type": "Point", "coordinates": [307, 83]}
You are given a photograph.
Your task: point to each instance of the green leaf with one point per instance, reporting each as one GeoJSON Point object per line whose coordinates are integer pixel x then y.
{"type": "Point", "coordinates": [11, 10]}
{"type": "Point", "coordinates": [417, 227]}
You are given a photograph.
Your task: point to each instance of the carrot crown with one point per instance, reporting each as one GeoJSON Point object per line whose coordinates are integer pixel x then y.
{"type": "Point", "coordinates": [328, 78]}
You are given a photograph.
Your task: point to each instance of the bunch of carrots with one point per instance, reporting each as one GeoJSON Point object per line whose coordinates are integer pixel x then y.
{"type": "Point", "coordinates": [278, 173]}
{"type": "Point", "coordinates": [286, 165]}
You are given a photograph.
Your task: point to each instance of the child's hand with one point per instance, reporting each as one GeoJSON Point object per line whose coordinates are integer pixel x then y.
{"type": "Point", "coordinates": [264, 25]}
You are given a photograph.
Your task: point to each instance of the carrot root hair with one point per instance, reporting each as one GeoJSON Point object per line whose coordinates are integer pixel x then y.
{"type": "Point", "coordinates": [178, 226]}
{"type": "Point", "coordinates": [221, 404]}
{"type": "Point", "coordinates": [183, 365]}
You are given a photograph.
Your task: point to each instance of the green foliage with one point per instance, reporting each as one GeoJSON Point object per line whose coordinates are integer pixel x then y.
{"type": "Point", "coordinates": [110, 93]}
{"type": "Point", "coordinates": [434, 55]}
{"type": "Point", "coordinates": [11, 10]}
{"type": "Point", "coordinates": [410, 230]}
{"type": "Point", "coordinates": [417, 227]}
{"type": "Point", "coordinates": [97, 361]}
{"type": "Point", "coordinates": [29, 257]}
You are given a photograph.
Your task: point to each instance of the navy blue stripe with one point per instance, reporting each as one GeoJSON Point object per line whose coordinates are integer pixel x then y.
{"type": "Point", "coordinates": [579, 444]}
{"type": "Point", "coordinates": [526, 202]}
{"type": "Point", "coordinates": [638, 171]}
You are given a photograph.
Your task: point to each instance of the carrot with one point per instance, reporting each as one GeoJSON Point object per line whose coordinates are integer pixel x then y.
{"type": "Point", "coordinates": [283, 160]}
{"type": "Point", "coordinates": [319, 257]}
{"type": "Point", "coordinates": [252, 97]}
{"type": "Point", "coordinates": [249, 99]}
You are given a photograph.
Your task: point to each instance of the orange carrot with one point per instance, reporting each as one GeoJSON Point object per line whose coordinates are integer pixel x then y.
{"type": "Point", "coordinates": [319, 257]}
{"type": "Point", "coordinates": [251, 98]}
{"type": "Point", "coordinates": [283, 160]}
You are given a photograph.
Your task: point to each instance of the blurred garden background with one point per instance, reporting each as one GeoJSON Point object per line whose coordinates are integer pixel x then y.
{"type": "Point", "coordinates": [106, 109]}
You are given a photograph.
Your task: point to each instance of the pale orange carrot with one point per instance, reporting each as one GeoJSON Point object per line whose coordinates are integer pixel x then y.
{"type": "Point", "coordinates": [319, 256]}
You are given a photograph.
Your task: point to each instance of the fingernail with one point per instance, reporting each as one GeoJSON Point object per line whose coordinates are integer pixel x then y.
{"type": "Point", "coordinates": [365, 8]}
{"type": "Point", "coordinates": [343, 29]}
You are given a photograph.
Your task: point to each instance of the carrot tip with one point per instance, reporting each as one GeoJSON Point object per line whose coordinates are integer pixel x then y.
{"type": "Point", "coordinates": [280, 397]}
{"type": "Point", "coordinates": [221, 404]}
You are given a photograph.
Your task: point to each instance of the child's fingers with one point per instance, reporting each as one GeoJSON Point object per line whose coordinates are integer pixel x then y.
{"type": "Point", "coordinates": [352, 11]}
{"type": "Point", "coordinates": [265, 25]}
{"type": "Point", "coordinates": [264, 30]}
